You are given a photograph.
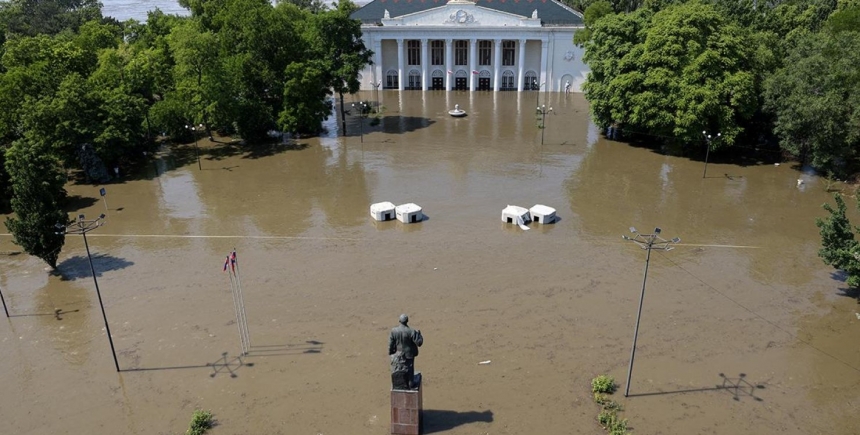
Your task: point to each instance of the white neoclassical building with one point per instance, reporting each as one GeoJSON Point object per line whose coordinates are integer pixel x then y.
{"type": "Point", "coordinates": [480, 45]}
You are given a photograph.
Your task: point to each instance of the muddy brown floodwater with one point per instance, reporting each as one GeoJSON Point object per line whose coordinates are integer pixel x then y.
{"type": "Point", "coordinates": [742, 303]}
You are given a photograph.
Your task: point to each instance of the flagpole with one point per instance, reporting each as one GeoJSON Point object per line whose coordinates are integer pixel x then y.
{"type": "Point", "coordinates": [235, 303]}
{"type": "Point", "coordinates": [242, 301]}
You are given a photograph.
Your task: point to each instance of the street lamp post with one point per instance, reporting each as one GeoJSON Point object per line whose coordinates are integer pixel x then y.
{"type": "Point", "coordinates": [196, 148]}
{"type": "Point", "coordinates": [82, 226]}
{"type": "Point", "coordinates": [543, 111]}
{"type": "Point", "coordinates": [648, 242]}
{"type": "Point", "coordinates": [361, 106]}
{"type": "Point", "coordinates": [708, 139]}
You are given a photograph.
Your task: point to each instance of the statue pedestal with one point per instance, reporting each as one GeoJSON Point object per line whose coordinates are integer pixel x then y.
{"type": "Point", "coordinates": [406, 411]}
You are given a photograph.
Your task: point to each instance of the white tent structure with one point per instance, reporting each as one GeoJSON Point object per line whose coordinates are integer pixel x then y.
{"type": "Point", "coordinates": [409, 213]}
{"type": "Point", "coordinates": [382, 211]}
{"type": "Point", "coordinates": [543, 214]}
{"type": "Point", "coordinates": [513, 214]}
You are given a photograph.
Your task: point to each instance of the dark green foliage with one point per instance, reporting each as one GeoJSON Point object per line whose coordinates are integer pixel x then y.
{"type": "Point", "coordinates": [37, 185]}
{"type": "Point", "coordinates": [305, 92]}
{"type": "Point", "coordinates": [594, 12]}
{"type": "Point", "coordinates": [312, 6]}
{"type": "Point", "coordinates": [673, 73]}
{"type": "Point", "coordinates": [48, 17]}
{"type": "Point", "coordinates": [838, 246]}
{"type": "Point", "coordinates": [816, 100]}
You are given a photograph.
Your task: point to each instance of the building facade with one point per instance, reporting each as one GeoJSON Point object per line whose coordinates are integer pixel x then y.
{"type": "Point", "coordinates": [481, 45]}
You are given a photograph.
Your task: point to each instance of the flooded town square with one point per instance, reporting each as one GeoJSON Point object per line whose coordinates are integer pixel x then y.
{"type": "Point", "coordinates": [744, 330]}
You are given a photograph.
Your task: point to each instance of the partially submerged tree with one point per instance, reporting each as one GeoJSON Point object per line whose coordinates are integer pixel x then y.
{"type": "Point", "coordinates": [38, 194]}
{"type": "Point", "coordinates": [838, 246]}
{"type": "Point", "coordinates": [672, 73]}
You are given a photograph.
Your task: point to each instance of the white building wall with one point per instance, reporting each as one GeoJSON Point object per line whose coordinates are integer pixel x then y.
{"type": "Point", "coordinates": [389, 61]}
{"type": "Point", "coordinates": [533, 59]}
{"type": "Point", "coordinates": [566, 59]}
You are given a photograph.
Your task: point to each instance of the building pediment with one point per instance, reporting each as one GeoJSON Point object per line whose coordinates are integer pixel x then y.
{"type": "Point", "coordinates": [462, 13]}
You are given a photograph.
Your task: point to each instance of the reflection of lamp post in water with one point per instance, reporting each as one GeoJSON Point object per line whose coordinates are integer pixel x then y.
{"type": "Point", "coordinates": [196, 148]}
{"type": "Point", "coordinates": [647, 242]}
{"type": "Point", "coordinates": [537, 87]}
{"type": "Point", "coordinates": [362, 107]}
{"type": "Point", "coordinates": [82, 227]}
{"type": "Point", "coordinates": [542, 111]}
{"type": "Point", "coordinates": [708, 149]}
{"type": "Point", "coordinates": [376, 91]}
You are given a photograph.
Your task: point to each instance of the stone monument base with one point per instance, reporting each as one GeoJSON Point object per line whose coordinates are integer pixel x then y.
{"type": "Point", "coordinates": [407, 407]}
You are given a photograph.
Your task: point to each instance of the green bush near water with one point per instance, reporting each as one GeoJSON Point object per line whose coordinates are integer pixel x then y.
{"type": "Point", "coordinates": [201, 421]}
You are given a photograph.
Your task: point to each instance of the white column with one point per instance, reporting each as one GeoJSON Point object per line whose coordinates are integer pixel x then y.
{"type": "Point", "coordinates": [473, 61]}
{"type": "Point", "coordinates": [449, 64]}
{"type": "Point", "coordinates": [497, 63]}
{"type": "Point", "coordinates": [377, 59]}
{"type": "Point", "coordinates": [424, 63]}
{"type": "Point", "coordinates": [400, 63]}
{"type": "Point", "coordinates": [544, 45]}
{"type": "Point", "coordinates": [521, 80]}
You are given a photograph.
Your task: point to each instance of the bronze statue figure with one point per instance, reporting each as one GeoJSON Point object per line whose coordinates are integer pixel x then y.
{"type": "Point", "coordinates": [403, 344]}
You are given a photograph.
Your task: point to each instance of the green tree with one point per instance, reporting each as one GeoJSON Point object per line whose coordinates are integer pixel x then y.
{"type": "Point", "coordinates": [673, 74]}
{"type": "Point", "coordinates": [48, 17]}
{"type": "Point", "coordinates": [312, 6]}
{"type": "Point", "coordinates": [815, 98]}
{"type": "Point", "coordinates": [38, 194]}
{"type": "Point", "coordinates": [594, 12]}
{"type": "Point", "coordinates": [306, 91]}
{"type": "Point", "coordinates": [838, 246]}
{"type": "Point", "coordinates": [335, 39]}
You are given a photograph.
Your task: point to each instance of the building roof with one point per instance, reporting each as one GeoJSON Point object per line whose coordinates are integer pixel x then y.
{"type": "Point", "coordinates": [551, 12]}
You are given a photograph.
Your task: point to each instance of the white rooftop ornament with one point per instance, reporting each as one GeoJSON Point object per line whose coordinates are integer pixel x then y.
{"type": "Point", "coordinates": [386, 15]}
{"type": "Point", "coordinates": [534, 14]}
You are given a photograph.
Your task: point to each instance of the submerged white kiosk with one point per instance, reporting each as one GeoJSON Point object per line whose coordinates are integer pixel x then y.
{"type": "Point", "coordinates": [382, 211]}
{"type": "Point", "coordinates": [409, 213]}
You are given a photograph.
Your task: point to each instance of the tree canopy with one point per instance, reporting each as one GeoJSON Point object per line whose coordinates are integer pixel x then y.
{"type": "Point", "coordinates": [778, 75]}
{"type": "Point", "coordinates": [76, 87]}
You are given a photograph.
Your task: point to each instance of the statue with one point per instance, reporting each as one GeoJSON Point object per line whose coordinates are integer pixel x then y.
{"type": "Point", "coordinates": [403, 344]}
{"type": "Point", "coordinates": [386, 15]}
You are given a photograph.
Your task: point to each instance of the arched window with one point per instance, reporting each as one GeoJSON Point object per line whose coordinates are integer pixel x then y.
{"type": "Point", "coordinates": [414, 80]}
{"type": "Point", "coordinates": [461, 73]}
{"type": "Point", "coordinates": [508, 81]}
{"type": "Point", "coordinates": [437, 73]}
{"type": "Point", "coordinates": [531, 81]}
{"type": "Point", "coordinates": [391, 80]}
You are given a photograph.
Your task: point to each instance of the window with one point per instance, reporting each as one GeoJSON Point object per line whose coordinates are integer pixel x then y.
{"type": "Point", "coordinates": [485, 52]}
{"type": "Point", "coordinates": [508, 81]}
{"type": "Point", "coordinates": [413, 52]}
{"type": "Point", "coordinates": [391, 81]}
{"type": "Point", "coordinates": [508, 52]}
{"type": "Point", "coordinates": [531, 81]}
{"type": "Point", "coordinates": [461, 52]}
{"type": "Point", "coordinates": [437, 53]}
{"type": "Point", "coordinates": [414, 79]}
